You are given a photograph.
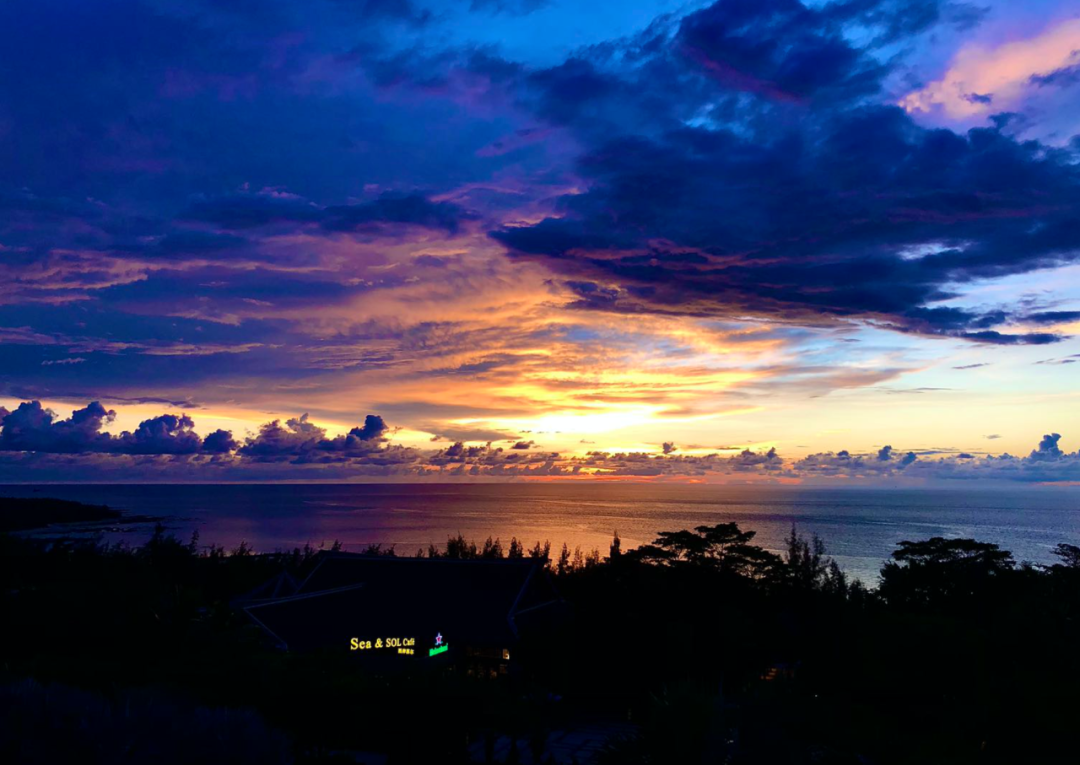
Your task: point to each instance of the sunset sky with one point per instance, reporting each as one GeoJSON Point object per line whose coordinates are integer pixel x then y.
{"type": "Point", "coordinates": [648, 239]}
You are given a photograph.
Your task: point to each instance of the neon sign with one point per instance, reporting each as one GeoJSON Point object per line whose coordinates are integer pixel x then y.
{"type": "Point", "coordinates": [405, 646]}
{"type": "Point", "coordinates": [402, 644]}
{"type": "Point", "coordinates": [440, 646]}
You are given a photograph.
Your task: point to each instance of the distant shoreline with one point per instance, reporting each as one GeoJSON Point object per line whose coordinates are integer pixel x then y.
{"type": "Point", "coordinates": [20, 514]}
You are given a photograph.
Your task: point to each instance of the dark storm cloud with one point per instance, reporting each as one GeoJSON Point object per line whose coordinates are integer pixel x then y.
{"type": "Point", "coordinates": [219, 442]}
{"type": "Point", "coordinates": [374, 428]}
{"type": "Point", "coordinates": [778, 48]}
{"type": "Point", "coordinates": [819, 224]}
{"type": "Point", "coordinates": [166, 434]}
{"type": "Point", "coordinates": [33, 428]}
{"type": "Point", "coordinates": [807, 201]}
{"type": "Point", "coordinates": [301, 441]}
{"type": "Point", "coordinates": [275, 440]}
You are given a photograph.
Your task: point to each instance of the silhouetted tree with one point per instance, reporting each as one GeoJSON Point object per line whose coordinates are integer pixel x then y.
{"type": "Point", "coordinates": [563, 564]}
{"type": "Point", "coordinates": [616, 546]}
{"type": "Point", "coordinates": [723, 547]}
{"type": "Point", "coordinates": [938, 570]}
{"type": "Point", "coordinates": [807, 567]}
{"type": "Point", "coordinates": [492, 549]}
{"type": "Point", "coordinates": [541, 553]}
{"type": "Point", "coordinates": [804, 561]}
{"type": "Point", "coordinates": [377, 550]}
{"type": "Point", "coordinates": [458, 548]}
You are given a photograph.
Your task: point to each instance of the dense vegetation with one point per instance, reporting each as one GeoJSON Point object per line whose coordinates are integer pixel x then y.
{"type": "Point", "coordinates": [717, 651]}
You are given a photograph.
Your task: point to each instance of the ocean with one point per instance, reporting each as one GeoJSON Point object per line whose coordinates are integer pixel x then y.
{"type": "Point", "coordinates": [859, 526]}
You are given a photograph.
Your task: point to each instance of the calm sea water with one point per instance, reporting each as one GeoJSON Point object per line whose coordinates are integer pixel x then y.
{"type": "Point", "coordinates": [860, 527]}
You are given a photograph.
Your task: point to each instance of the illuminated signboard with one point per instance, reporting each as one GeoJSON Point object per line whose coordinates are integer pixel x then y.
{"type": "Point", "coordinates": [440, 646]}
{"type": "Point", "coordinates": [404, 645]}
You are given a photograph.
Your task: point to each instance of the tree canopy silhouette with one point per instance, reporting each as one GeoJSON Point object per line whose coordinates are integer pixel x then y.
{"type": "Point", "coordinates": [723, 547]}
{"type": "Point", "coordinates": [938, 571]}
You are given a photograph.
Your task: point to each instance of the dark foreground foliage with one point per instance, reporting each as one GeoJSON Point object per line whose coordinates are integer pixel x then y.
{"type": "Point", "coordinates": [713, 648]}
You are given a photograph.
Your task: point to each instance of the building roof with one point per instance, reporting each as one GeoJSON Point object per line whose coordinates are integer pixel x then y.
{"type": "Point", "coordinates": [475, 602]}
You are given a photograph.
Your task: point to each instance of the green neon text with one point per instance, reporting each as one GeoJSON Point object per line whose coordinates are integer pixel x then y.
{"type": "Point", "coordinates": [437, 651]}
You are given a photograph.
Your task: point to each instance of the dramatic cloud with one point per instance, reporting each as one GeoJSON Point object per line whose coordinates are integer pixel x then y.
{"type": "Point", "coordinates": [1048, 449]}
{"type": "Point", "coordinates": [36, 442]}
{"type": "Point", "coordinates": [981, 79]}
{"type": "Point", "coordinates": [301, 441]}
{"type": "Point", "coordinates": [297, 437]}
{"type": "Point", "coordinates": [778, 48]}
{"type": "Point", "coordinates": [219, 442]}
{"type": "Point", "coordinates": [838, 208]}
{"type": "Point", "coordinates": [33, 428]}
{"type": "Point", "coordinates": [167, 434]}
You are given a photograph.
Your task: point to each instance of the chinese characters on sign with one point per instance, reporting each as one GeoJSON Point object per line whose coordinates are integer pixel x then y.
{"type": "Point", "coordinates": [403, 645]}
